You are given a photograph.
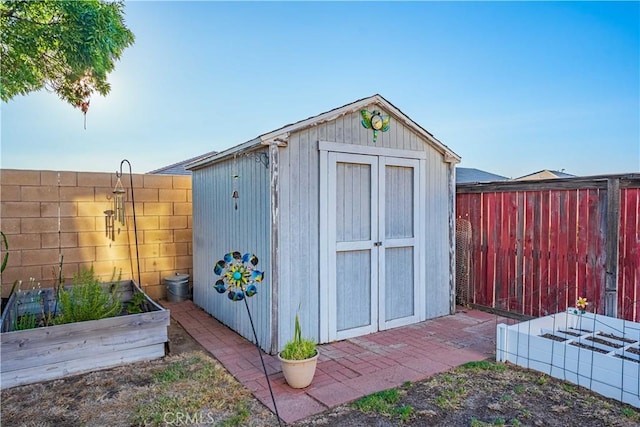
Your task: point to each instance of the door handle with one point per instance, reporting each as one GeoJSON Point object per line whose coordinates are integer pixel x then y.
{"type": "Point", "coordinates": [377, 243]}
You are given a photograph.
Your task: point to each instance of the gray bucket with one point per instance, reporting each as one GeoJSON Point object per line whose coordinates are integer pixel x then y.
{"type": "Point", "coordinates": [177, 287]}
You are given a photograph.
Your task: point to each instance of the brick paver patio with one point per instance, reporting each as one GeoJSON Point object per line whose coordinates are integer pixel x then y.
{"type": "Point", "coordinates": [349, 369]}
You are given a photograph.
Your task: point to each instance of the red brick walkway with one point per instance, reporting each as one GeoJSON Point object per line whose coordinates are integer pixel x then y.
{"type": "Point", "coordinates": [350, 369]}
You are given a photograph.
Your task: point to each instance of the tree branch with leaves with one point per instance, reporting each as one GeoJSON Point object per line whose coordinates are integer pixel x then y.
{"type": "Point", "coordinates": [67, 47]}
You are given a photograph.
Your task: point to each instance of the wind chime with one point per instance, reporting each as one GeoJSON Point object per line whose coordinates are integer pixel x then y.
{"type": "Point", "coordinates": [109, 225]}
{"type": "Point", "coordinates": [234, 175]}
{"type": "Point", "coordinates": [118, 200]}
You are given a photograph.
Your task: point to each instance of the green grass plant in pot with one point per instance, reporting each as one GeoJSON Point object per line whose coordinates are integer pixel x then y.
{"type": "Point", "coordinates": [299, 359]}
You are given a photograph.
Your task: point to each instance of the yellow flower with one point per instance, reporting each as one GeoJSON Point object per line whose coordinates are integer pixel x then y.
{"type": "Point", "coordinates": [582, 303]}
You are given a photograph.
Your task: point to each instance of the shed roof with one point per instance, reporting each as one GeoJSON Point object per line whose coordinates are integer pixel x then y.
{"type": "Point", "coordinates": [179, 167]}
{"type": "Point", "coordinates": [464, 175]}
{"type": "Point", "coordinates": [282, 134]}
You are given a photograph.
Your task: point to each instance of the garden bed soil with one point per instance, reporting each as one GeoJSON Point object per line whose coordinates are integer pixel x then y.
{"type": "Point", "coordinates": [616, 337]}
{"type": "Point", "coordinates": [46, 353]}
{"type": "Point", "coordinates": [483, 394]}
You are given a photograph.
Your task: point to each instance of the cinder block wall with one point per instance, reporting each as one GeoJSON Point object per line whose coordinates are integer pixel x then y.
{"type": "Point", "coordinates": [46, 214]}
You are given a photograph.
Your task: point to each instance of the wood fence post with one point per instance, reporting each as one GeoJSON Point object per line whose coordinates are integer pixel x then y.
{"type": "Point", "coordinates": [612, 237]}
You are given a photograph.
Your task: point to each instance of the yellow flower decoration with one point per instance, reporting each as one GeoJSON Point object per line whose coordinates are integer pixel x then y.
{"type": "Point", "coordinates": [582, 303]}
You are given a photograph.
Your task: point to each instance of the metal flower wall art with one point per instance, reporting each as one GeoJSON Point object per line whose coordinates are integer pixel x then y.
{"type": "Point", "coordinates": [376, 121]}
{"type": "Point", "coordinates": [239, 275]}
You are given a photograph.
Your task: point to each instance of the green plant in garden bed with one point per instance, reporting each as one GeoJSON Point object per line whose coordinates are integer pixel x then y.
{"type": "Point", "coordinates": [26, 321]}
{"type": "Point", "coordinates": [88, 300]}
{"type": "Point", "coordinates": [137, 304]}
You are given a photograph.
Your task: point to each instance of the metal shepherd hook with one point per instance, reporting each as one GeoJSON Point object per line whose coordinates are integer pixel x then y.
{"type": "Point", "coordinates": [133, 204]}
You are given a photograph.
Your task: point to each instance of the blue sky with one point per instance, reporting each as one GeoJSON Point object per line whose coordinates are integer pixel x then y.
{"type": "Point", "coordinates": [511, 87]}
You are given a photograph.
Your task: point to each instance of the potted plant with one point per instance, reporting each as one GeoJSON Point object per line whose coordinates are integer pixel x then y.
{"type": "Point", "coordinates": [299, 359]}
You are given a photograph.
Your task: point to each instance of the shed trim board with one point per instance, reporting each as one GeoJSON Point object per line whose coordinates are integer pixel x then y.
{"type": "Point", "coordinates": [372, 151]}
{"type": "Point", "coordinates": [282, 134]}
{"type": "Point", "coordinates": [374, 296]}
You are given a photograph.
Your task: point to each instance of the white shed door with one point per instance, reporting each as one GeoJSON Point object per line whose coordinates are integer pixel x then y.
{"type": "Point", "coordinates": [373, 246]}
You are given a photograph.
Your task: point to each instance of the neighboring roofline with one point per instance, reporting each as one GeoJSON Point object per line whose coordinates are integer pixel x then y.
{"type": "Point", "coordinates": [184, 162]}
{"type": "Point", "coordinates": [281, 135]}
{"type": "Point", "coordinates": [594, 181]}
{"type": "Point", "coordinates": [555, 172]}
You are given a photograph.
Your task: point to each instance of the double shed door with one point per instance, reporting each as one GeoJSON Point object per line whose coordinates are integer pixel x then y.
{"type": "Point", "coordinates": [373, 250]}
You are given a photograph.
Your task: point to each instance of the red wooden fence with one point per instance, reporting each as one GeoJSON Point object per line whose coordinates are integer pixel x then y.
{"type": "Point", "coordinates": [536, 246]}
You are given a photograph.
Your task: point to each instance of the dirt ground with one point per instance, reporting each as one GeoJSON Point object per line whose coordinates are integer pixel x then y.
{"type": "Point", "coordinates": [479, 394]}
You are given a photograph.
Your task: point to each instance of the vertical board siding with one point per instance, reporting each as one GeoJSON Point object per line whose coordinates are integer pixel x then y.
{"type": "Point", "coordinates": [220, 228]}
{"type": "Point", "coordinates": [436, 238]}
{"type": "Point", "coordinates": [299, 291]}
{"type": "Point", "coordinates": [534, 252]}
{"type": "Point", "coordinates": [629, 255]}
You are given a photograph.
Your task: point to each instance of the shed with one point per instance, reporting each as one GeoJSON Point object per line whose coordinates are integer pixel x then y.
{"type": "Point", "coordinates": [354, 231]}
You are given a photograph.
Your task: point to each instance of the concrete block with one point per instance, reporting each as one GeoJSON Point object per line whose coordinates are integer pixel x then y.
{"type": "Point", "coordinates": [146, 195]}
{"type": "Point", "coordinates": [182, 209]}
{"type": "Point", "coordinates": [24, 241]}
{"type": "Point", "coordinates": [20, 209]}
{"type": "Point", "coordinates": [40, 257]}
{"type": "Point", "coordinates": [159, 264]}
{"type": "Point", "coordinates": [77, 194]}
{"type": "Point", "coordinates": [174, 249]}
{"type": "Point", "coordinates": [92, 208]}
{"type": "Point", "coordinates": [108, 269]}
{"type": "Point", "coordinates": [158, 236]}
{"type": "Point", "coordinates": [94, 179]}
{"type": "Point", "coordinates": [150, 278]}
{"type": "Point", "coordinates": [149, 250]}
{"type": "Point", "coordinates": [96, 238]}
{"type": "Point", "coordinates": [159, 208]}
{"type": "Point", "coordinates": [147, 222]}
{"type": "Point", "coordinates": [185, 235]}
{"type": "Point", "coordinates": [172, 222]}
{"type": "Point", "coordinates": [37, 225]}
{"type": "Point", "coordinates": [78, 224]}
{"type": "Point", "coordinates": [183, 262]}
{"type": "Point", "coordinates": [53, 209]}
{"type": "Point", "coordinates": [15, 257]}
{"type": "Point", "coordinates": [158, 181]}
{"type": "Point", "coordinates": [10, 225]}
{"type": "Point", "coordinates": [39, 194]}
{"type": "Point", "coordinates": [19, 177]}
{"type": "Point", "coordinates": [182, 181]}
{"type": "Point", "coordinates": [172, 195]}
{"type": "Point", "coordinates": [80, 255]}
{"type": "Point", "coordinates": [63, 179]}
{"type": "Point", "coordinates": [64, 240]}
{"type": "Point", "coordinates": [10, 193]}
{"type": "Point", "coordinates": [114, 253]}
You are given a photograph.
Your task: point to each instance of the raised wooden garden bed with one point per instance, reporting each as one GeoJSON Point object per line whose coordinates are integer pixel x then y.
{"type": "Point", "coordinates": [597, 352]}
{"type": "Point", "coordinates": [46, 353]}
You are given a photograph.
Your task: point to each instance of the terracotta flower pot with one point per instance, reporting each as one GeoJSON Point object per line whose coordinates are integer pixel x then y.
{"type": "Point", "coordinates": [299, 373]}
